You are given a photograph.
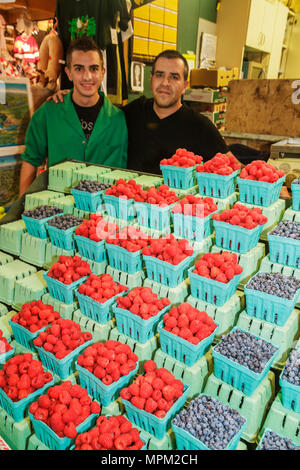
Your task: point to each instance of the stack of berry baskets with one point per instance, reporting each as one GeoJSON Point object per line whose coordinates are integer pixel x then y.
{"type": "Point", "coordinates": [138, 313]}
{"type": "Point", "coordinates": [90, 237]}
{"type": "Point", "coordinates": [28, 374]}
{"type": "Point", "coordinates": [60, 345]}
{"type": "Point", "coordinates": [61, 230]}
{"type": "Point", "coordinates": [124, 249]}
{"type": "Point", "coordinates": [6, 349]}
{"type": "Point", "coordinates": [105, 368]}
{"type": "Point", "coordinates": [192, 218]}
{"type": "Point", "coordinates": [238, 229]}
{"type": "Point", "coordinates": [119, 200]}
{"type": "Point", "coordinates": [260, 183]}
{"type": "Point", "coordinates": [36, 219]}
{"type": "Point", "coordinates": [215, 277]}
{"type": "Point", "coordinates": [179, 171]}
{"type": "Point", "coordinates": [217, 177]}
{"type": "Point", "coordinates": [243, 360]}
{"type": "Point", "coordinates": [284, 244]}
{"type": "Point", "coordinates": [152, 406]}
{"type": "Point", "coordinates": [78, 413]}
{"type": "Point", "coordinates": [65, 276]}
{"type": "Point", "coordinates": [167, 260]}
{"type": "Point", "coordinates": [33, 318]}
{"type": "Point", "coordinates": [88, 195]}
{"type": "Point", "coordinates": [272, 297]}
{"type": "Point", "coordinates": [289, 382]}
{"type": "Point", "coordinates": [97, 295]}
{"type": "Point", "coordinates": [295, 187]}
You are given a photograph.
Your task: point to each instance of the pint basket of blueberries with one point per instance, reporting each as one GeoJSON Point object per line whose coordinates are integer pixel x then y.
{"type": "Point", "coordinates": [295, 187]}
{"type": "Point", "coordinates": [243, 360]}
{"type": "Point", "coordinates": [88, 195]}
{"type": "Point", "coordinates": [271, 296]}
{"type": "Point", "coordinates": [284, 243]}
{"type": "Point", "coordinates": [290, 382]}
{"type": "Point", "coordinates": [36, 219]}
{"type": "Point", "coordinates": [207, 424]}
{"type": "Point", "coordinates": [61, 230]}
{"type": "Point", "coordinates": [272, 441]}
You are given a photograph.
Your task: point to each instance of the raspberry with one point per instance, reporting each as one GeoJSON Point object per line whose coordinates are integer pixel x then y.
{"type": "Point", "coordinates": [106, 440]}
{"type": "Point", "coordinates": [146, 390]}
{"type": "Point", "coordinates": [139, 402]}
{"type": "Point", "coordinates": [168, 392]}
{"type": "Point", "coordinates": [150, 366]}
{"type": "Point", "coordinates": [151, 405]}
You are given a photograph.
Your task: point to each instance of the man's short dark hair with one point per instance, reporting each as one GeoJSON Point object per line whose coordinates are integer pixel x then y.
{"type": "Point", "coordinates": [172, 54]}
{"type": "Point", "coordinates": [84, 44]}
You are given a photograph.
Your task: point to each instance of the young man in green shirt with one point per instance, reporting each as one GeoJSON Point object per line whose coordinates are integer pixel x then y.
{"type": "Point", "coordinates": [85, 127]}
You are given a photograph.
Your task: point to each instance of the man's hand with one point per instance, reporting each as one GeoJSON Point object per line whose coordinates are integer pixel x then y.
{"type": "Point", "coordinates": [58, 96]}
{"type": "Point", "coordinates": [27, 176]}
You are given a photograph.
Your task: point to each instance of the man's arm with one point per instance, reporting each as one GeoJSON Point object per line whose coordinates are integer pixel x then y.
{"type": "Point", "coordinates": [27, 176]}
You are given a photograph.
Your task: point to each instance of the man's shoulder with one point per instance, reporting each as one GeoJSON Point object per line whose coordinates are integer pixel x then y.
{"type": "Point", "coordinates": [139, 103]}
{"type": "Point", "coordinates": [192, 115]}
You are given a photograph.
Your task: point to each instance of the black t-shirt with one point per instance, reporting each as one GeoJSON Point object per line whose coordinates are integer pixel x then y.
{"type": "Point", "coordinates": [150, 139]}
{"type": "Point", "coordinates": [88, 116]}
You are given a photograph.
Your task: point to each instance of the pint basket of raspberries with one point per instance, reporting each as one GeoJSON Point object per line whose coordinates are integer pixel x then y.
{"type": "Point", "coordinates": [260, 183]}
{"type": "Point", "coordinates": [61, 413]}
{"type": "Point", "coordinates": [295, 187]}
{"type": "Point", "coordinates": [215, 277]}
{"type": "Point", "coordinates": [289, 382]}
{"type": "Point", "coordinates": [22, 380]}
{"type": "Point", "coordinates": [153, 399]}
{"type": "Point", "coordinates": [97, 295]}
{"type": "Point", "coordinates": [179, 170]}
{"type": "Point", "coordinates": [186, 334]}
{"type": "Point", "coordinates": [65, 276]}
{"type": "Point", "coordinates": [88, 195]}
{"type": "Point", "coordinates": [6, 350]}
{"type": "Point", "coordinates": [238, 229]}
{"type": "Point", "coordinates": [272, 296]}
{"type": "Point", "coordinates": [33, 318]}
{"type": "Point", "coordinates": [138, 313]}
{"type": "Point", "coordinates": [61, 230]}
{"type": "Point", "coordinates": [192, 217]}
{"type": "Point", "coordinates": [217, 177]}
{"type": "Point", "coordinates": [105, 368]}
{"type": "Point", "coordinates": [119, 199]}
{"type": "Point", "coordinates": [36, 219]}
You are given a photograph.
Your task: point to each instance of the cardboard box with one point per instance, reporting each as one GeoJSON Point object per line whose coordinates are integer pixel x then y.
{"type": "Point", "coordinates": [235, 73]}
{"type": "Point", "coordinates": [205, 95]}
{"type": "Point", "coordinates": [208, 78]}
{"type": "Point", "coordinates": [216, 118]}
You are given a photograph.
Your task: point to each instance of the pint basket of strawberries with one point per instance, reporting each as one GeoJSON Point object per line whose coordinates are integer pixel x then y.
{"type": "Point", "coordinates": [238, 229]}
{"type": "Point", "coordinates": [186, 334]}
{"type": "Point", "coordinates": [217, 177]}
{"type": "Point", "coordinates": [179, 170]}
{"type": "Point", "coordinates": [215, 277]}
{"type": "Point", "coordinates": [260, 183]}
{"type": "Point", "coordinates": [138, 313]}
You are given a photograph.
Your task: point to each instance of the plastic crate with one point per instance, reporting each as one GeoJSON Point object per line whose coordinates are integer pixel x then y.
{"type": "Point", "coordinates": [192, 227]}
{"type": "Point", "coordinates": [60, 291]}
{"type": "Point", "coordinates": [99, 312]}
{"type": "Point", "coordinates": [4, 357]}
{"type": "Point", "coordinates": [24, 336]}
{"type": "Point", "coordinates": [90, 202]}
{"type": "Point", "coordinates": [62, 238]}
{"type": "Point", "coordinates": [153, 216]}
{"type": "Point", "coordinates": [259, 193]}
{"type": "Point", "coordinates": [134, 326]}
{"type": "Point", "coordinates": [237, 375]}
{"type": "Point", "coordinates": [290, 394]}
{"type": "Point", "coordinates": [296, 196]}
{"type": "Point", "coordinates": [118, 207]}
{"type": "Point", "coordinates": [151, 423]}
{"type": "Point", "coordinates": [236, 238]}
{"type": "Point", "coordinates": [91, 249]}
{"type": "Point", "coordinates": [268, 307]}
{"type": "Point", "coordinates": [46, 435]}
{"type": "Point", "coordinates": [37, 227]}
{"type": "Point", "coordinates": [219, 186]}
{"type": "Point", "coordinates": [166, 273]}
{"type": "Point", "coordinates": [177, 177]}
{"type": "Point", "coordinates": [61, 367]}
{"type": "Point", "coordinates": [181, 349]}
{"type": "Point", "coordinates": [98, 390]}
{"type": "Point", "coordinates": [210, 290]}
{"type": "Point", "coordinates": [18, 409]}
{"type": "Point", "coordinates": [284, 250]}
{"type": "Point", "coordinates": [124, 260]}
